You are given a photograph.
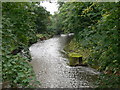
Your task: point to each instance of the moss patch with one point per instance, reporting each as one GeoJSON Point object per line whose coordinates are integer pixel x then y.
{"type": "Point", "coordinates": [74, 51]}
{"type": "Point", "coordinates": [77, 55]}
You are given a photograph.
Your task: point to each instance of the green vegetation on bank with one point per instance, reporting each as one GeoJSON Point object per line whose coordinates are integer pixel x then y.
{"type": "Point", "coordinates": [21, 22]}
{"type": "Point", "coordinates": [97, 36]}
{"type": "Point", "coordinates": [74, 49]}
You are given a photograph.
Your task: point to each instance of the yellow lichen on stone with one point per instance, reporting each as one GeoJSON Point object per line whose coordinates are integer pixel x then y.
{"type": "Point", "coordinates": [74, 55]}
{"type": "Point", "coordinates": [74, 58]}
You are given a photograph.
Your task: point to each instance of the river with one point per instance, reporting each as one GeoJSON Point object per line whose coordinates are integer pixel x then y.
{"type": "Point", "coordinates": [51, 69]}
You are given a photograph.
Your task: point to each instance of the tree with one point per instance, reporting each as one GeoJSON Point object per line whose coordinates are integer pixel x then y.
{"type": "Point", "coordinates": [42, 19]}
{"type": "Point", "coordinates": [18, 33]}
{"type": "Point", "coordinates": [95, 26]}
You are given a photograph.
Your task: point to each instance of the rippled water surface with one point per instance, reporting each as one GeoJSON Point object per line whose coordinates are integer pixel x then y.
{"type": "Point", "coordinates": [51, 69]}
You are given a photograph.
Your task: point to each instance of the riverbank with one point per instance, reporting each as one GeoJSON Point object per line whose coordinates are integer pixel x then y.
{"type": "Point", "coordinates": [75, 47]}
{"type": "Point", "coordinates": [107, 79]}
{"type": "Point", "coordinates": [42, 37]}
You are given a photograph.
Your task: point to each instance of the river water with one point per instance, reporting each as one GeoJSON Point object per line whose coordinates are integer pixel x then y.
{"type": "Point", "coordinates": [51, 69]}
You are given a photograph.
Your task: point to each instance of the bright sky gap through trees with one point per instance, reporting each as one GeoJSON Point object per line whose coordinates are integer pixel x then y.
{"type": "Point", "coordinates": [52, 7]}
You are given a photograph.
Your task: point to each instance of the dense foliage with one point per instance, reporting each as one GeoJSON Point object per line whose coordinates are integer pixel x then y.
{"type": "Point", "coordinates": [42, 19]}
{"type": "Point", "coordinates": [95, 26]}
{"type": "Point", "coordinates": [18, 33]}
{"type": "Point", "coordinates": [96, 29]}
{"type": "Point", "coordinates": [54, 26]}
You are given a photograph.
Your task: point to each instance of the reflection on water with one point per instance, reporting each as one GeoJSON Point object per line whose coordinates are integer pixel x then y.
{"type": "Point", "coordinates": [51, 68]}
